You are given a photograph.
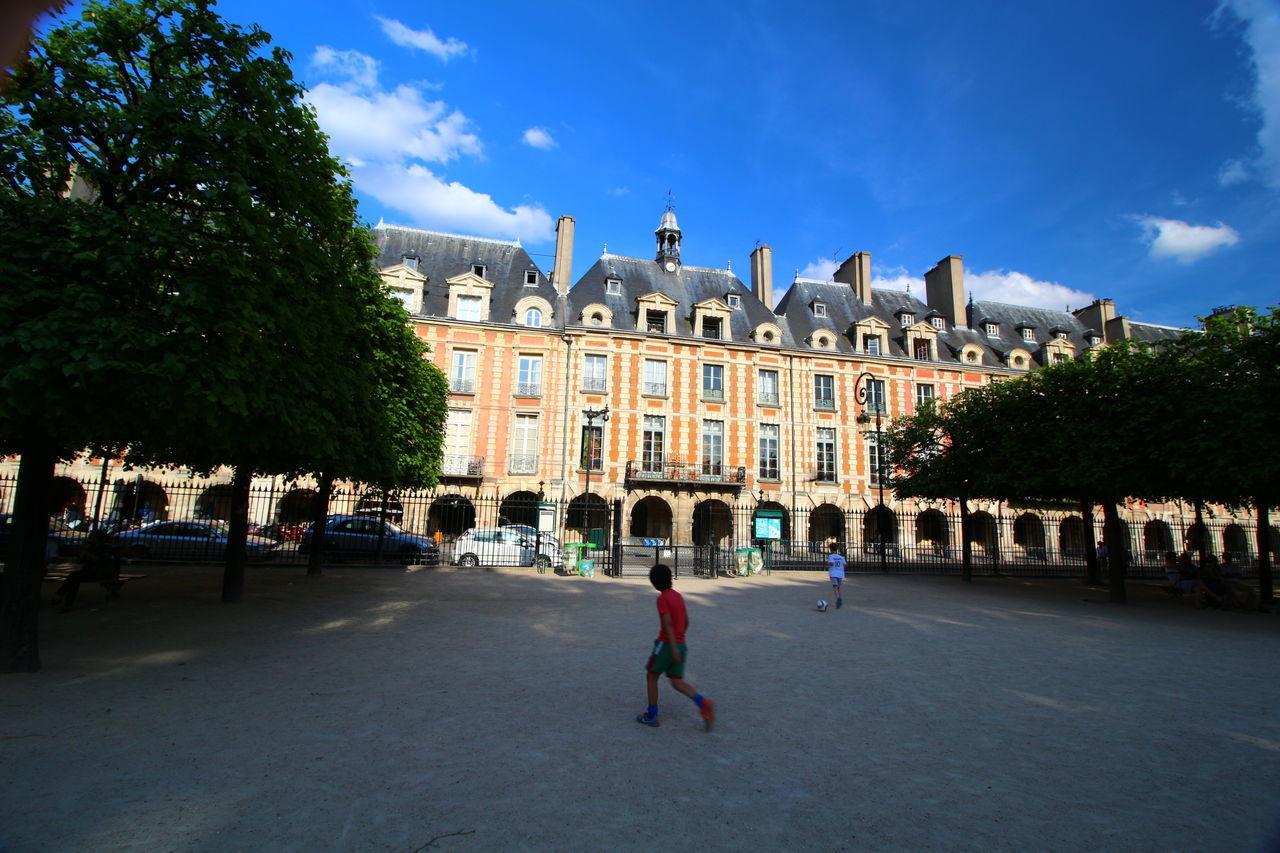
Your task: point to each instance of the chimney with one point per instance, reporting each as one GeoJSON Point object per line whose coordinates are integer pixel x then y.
{"type": "Point", "coordinates": [563, 270]}
{"type": "Point", "coordinates": [1099, 315]}
{"type": "Point", "coordinates": [1117, 329]}
{"type": "Point", "coordinates": [944, 290]}
{"type": "Point", "coordinates": [762, 275]}
{"type": "Point", "coordinates": [856, 272]}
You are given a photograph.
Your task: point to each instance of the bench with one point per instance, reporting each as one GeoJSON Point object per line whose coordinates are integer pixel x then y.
{"type": "Point", "coordinates": [112, 587]}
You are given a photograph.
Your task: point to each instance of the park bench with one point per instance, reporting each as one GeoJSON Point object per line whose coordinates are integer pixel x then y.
{"type": "Point", "coordinates": [112, 586]}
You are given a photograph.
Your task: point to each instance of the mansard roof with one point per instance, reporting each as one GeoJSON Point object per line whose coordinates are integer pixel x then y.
{"type": "Point", "coordinates": [687, 286]}
{"type": "Point", "coordinates": [1153, 334]}
{"type": "Point", "coordinates": [441, 256]}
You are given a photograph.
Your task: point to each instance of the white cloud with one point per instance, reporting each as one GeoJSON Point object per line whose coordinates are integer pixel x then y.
{"type": "Point", "coordinates": [389, 136]}
{"type": "Point", "coordinates": [539, 137]}
{"type": "Point", "coordinates": [1183, 242]}
{"type": "Point", "coordinates": [619, 192]}
{"type": "Point", "coordinates": [1017, 288]}
{"type": "Point", "coordinates": [1261, 20]}
{"type": "Point", "coordinates": [435, 203]}
{"type": "Point", "coordinates": [822, 269]}
{"type": "Point", "coordinates": [424, 40]}
{"type": "Point", "coordinates": [1233, 172]}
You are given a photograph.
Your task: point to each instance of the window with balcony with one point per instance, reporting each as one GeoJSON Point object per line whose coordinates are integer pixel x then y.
{"type": "Point", "coordinates": [593, 373]}
{"type": "Point", "coordinates": [524, 445]}
{"type": "Point", "coordinates": [653, 444]}
{"type": "Point", "coordinates": [824, 392]}
{"type": "Point", "coordinates": [826, 451]}
{"type": "Point", "coordinates": [767, 395]}
{"type": "Point", "coordinates": [713, 382]}
{"type": "Point", "coordinates": [462, 373]}
{"type": "Point", "coordinates": [457, 459]}
{"type": "Point", "coordinates": [769, 452]}
{"type": "Point", "coordinates": [713, 448]}
{"type": "Point", "coordinates": [592, 457]}
{"type": "Point", "coordinates": [529, 376]}
{"type": "Point", "coordinates": [655, 378]}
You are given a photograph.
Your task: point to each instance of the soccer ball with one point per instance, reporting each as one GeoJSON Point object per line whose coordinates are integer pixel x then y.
{"type": "Point", "coordinates": [822, 605]}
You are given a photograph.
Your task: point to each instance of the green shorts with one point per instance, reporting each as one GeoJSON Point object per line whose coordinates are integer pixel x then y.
{"type": "Point", "coordinates": [660, 660]}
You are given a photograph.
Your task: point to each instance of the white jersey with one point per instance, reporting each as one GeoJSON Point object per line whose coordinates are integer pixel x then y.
{"type": "Point", "coordinates": [835, 565]}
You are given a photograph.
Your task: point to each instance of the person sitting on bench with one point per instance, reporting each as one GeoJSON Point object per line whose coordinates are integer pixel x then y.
{"type": "Point", "coordinates": [98, 562]}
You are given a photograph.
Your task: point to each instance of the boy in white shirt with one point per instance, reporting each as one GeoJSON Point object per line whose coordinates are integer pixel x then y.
{"type": "Point", "coordinates": [835, 568]}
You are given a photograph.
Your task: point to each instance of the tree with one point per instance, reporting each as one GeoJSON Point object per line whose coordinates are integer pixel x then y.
{"type": "Point", "coordinates": [179, 255]}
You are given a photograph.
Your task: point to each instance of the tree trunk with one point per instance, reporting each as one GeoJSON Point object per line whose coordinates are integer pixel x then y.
{"type": "Point", "coordinates": [1090, 555]}
{"type": "Point", "coordinates": [1117, 551]}
{"type": "Point", "coordinates": [319, 514]}
{"type": "Point", "coordinates": [382, 527]}
{"type": "Point", "coordinates": [24, 568]}
{"type": "Point", "coordinates": [237, 530]}
{"type": "Point", "coordinates": [966, 550]}
{"type": "Point", "coordinates": [1266, 593]}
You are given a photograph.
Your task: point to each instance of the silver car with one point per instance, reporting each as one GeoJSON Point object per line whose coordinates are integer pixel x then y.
{"type": "Point", "coordinates": [186, 540]}
{"type": "Point", "coordinates": [494, 546]}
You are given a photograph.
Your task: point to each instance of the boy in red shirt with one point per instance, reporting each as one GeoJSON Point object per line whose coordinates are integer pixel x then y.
{"type": "Point", "coordinates": [669, 650]}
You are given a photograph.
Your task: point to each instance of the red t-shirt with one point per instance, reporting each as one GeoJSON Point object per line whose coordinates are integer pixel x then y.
{"type": "Point", "coordinates": [672, 603]}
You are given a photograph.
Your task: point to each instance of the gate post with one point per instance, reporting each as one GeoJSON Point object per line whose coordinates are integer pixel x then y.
{"type": "Point", "coordinates": [616, 549]}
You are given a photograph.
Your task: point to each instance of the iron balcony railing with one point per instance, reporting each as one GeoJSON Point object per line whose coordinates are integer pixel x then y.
{"type": "Point", "coordinates": [593, 383]}
{"type": "Point", "coordinates": [767, 398]}
{"type": "Point", "coordinates": [462, 466]}
{"type": "Point", "coordinates": [677, 471]}
{"type": "Point", "coordinates": [522, 465]}
{"type": "Point", "coordinates": [462, 386]}
{"type": "Point", "coordinates": [655, 389]}
{"type": "Point", "coordinates": [528, 389]}
{"type": "Point", "coordinates": [824, 403]}
{"type": "Point", "coordinates": [713, 394]}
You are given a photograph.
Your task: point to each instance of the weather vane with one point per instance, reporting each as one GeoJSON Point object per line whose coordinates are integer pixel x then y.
{"type": "Point", "coordinates": [671, 201]}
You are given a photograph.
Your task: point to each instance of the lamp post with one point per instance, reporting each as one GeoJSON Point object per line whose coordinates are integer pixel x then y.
{"type": "Point", "coordinates": [862, 393]}
{"type": "Point", "coordinates": [591, 415]}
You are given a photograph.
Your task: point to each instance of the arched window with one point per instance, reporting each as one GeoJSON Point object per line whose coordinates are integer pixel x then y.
{"type": "Point", "coordinates": [533, 318]}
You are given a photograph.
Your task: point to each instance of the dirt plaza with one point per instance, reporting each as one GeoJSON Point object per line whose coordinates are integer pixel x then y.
{"type": "Point", "coordinates": [384, 710]}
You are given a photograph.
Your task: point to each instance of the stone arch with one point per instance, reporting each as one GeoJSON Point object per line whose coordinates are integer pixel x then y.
{"type": "Point", "coordinates": [1197, 536]}
{"type": "Point", "coordinates": [589, 512]}
{"type": "Point", "coordinates": [651, 519]}
{"type": "Point", "coordinates": [370, 504]}
{"type": "Point", "coordinates": [933, 534]}
{"type": "Point", "coordinates": [1073, 541]}
{"type": "Point", "coordinates": [826, 524]}
{"type": "Point", "coordinates": [712, 522]}
{"type": "Point", "coordinates": [1028, 535]}
{"type": "Point", "coordinates": [215, 502]}
{"type": "Point", "coordinates": [880, 524]}
{"type": "Point", "coordinates": [1157, 539]}
{"type": "Point", "coordinates": [66, 499]}
{"type": "Point", "coordinates": [297, 506]}
{"type": "Point", "coordinates": [452, 515]}
{"type": "Point", "coordinates": [519, 508]}
{"type": "Point", "coordinates": [982, 533]}
{"type": "Point", "coordinates": [1235, 542]}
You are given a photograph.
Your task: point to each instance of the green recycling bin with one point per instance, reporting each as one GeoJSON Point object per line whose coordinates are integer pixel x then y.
{"type": "Point", "coordinates": [574, 556]}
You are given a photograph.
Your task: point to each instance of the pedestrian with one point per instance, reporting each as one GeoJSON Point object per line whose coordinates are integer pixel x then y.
{"type": "Point", "coordinates": [835, 569]}
{"type": "Point", "coordinates": [669, 650]}
{"type": "Point", "coordinates": [1101, 553]}
{"type": "Point", "coordinates": [98, 562]}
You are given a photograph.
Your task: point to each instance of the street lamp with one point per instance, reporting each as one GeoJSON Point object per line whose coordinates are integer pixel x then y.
{"type": "Point", "coordinates": [862, 393]}
{"type": "Point", "coordinates": [588, 457]}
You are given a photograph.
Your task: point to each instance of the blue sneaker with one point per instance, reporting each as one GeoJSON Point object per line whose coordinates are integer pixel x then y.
{"type": "Point", "coordinates": [645, 719]}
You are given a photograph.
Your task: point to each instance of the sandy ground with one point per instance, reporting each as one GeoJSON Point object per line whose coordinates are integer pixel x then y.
{"type": "Point", "coordinates": [373, 709]}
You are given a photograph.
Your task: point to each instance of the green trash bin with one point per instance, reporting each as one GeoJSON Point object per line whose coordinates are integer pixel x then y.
{"type": "Point", "coordinates": [574, 553]}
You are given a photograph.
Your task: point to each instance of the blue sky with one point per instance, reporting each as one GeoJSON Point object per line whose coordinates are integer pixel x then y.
{"type": "Point", "coordinates": [1068, 151]}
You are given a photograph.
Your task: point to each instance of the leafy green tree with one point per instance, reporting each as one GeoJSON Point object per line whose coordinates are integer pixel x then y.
{"type": "Point", "coordinates": [179, 257]}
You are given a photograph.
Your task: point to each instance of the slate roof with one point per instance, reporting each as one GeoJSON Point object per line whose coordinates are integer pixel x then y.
{"type": "Point", "coordinates": [442, 256]}
{"type": "Point", "coordinates": [1044, 324]}
{"type": "Point", "coordinates": [687, 286]}
{"type": "Point", "coordinates": [1153, 334]}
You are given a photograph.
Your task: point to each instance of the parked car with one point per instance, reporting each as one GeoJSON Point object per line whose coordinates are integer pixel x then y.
{"type": "Point", "coordinates": [503, 546]}
{"type": "Point", "coordinates": [531, 533]}
{"type": "Point", "coordinates": [186, 540]}
{"type": "Point", "coordinates": [353, 535]}
{"type": "Point", "coordinates": [67, 538]}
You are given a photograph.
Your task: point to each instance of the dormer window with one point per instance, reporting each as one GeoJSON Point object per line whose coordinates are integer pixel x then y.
{"type": "Point", "coordinates": [655, 321]}
{"type": "Point", "coordinates": [478, 269]}
{"type": "Point", "coordinates": [410, 261]}
{"type": "Point", "coordinates": [734, 300]}
{"type": "Point", "coordinates": [907, 318]}
{"type": "Point", "coordinates": [939, 323]}
{"type": "Point", "coordinates": [530, 278]}
{"type": "Point", "coordinates": [871, 344]}
{"type": "Point", "coordinates": [819, 309]}
{"type": "Point", "coordinates": [711, 327]}
{"type": "Point", "coordinates": [1093, 341]}
{"type": "Point", "coordinates": [1028, 334]}
{"type": "Point", "coordinates": [613, 285]}
{"type": "Point", "coordinates": [469, 307]}
{"type": "Point", "coordinates": [1062, 336]}
{"type": "Point", "coordinates": [533, 318]}
{"type": "Point", "coordinates": [993, 330]}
